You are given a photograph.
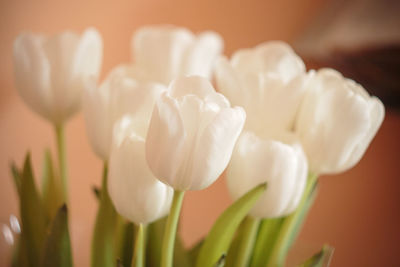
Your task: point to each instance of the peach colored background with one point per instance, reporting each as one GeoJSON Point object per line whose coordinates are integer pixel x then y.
{"type": "Point", "coordinates": [357, 212]}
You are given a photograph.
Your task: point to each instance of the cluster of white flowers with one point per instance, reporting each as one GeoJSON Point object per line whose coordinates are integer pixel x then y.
{"type": "Point", "coordinates": [161, 125]}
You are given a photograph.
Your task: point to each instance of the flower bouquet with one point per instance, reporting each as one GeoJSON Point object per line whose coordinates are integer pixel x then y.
{"type": "Point", "coordinates": [174, 120]}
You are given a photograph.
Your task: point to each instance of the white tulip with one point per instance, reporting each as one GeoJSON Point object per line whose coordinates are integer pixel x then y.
{"type": "Point", "coordinates": [336, 122]}
{"type": "Point", "coordinates": [192, 133]}
{"type": "Point", "coordinates": [166, 52]}
{"type": "Point", "coordinates": [136, 194]}
{"type": "Point", "coordinates": [51, 72]}
{"type": "Point", "coordinates": [268, 81]}
{"type": "Point", "coordinates": [282, 166]}
{"type": "Point", "coordinates": [118, 95]}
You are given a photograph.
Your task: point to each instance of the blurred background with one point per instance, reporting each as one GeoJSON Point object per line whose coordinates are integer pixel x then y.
{"type": "Point", "coordinates": [358, 212]}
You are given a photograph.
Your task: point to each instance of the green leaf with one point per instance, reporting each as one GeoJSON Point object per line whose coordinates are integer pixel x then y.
{"type": "Point", "coordinates": [51, 187]}
{"type": "Point", "coordinates": [220, 236]}
{"type": "Point", "coordinates": [33, 215]}
{"type": "Point", "coordinates": [234, 247]}
{"type": "Point", "coordinates": [20, 253]}
{"type": "Point", "coordinates": [320, 259]}
{"type": "Point", "coordinates": [57, 250]}
{"type": "Point", "coordinates": [103, 251]}
{"type": "Point", "coordinates": [266, 238]}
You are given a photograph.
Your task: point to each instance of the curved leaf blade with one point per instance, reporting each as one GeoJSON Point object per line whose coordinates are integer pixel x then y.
{"type": "Point", "coordinates": [57, 250]}
{"type": "Point", "coordinates": [33, 215]}
{"type": "Point", "coordinates": [220, 236]}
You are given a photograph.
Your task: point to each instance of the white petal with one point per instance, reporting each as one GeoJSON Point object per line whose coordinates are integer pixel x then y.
{"type": "Point", "coordinates": [275, 109]}
{"type": "Point", "coordinates": [98, 118]}
{"type": "Point", "coordinates": [136, 98]}
{"type": "Point", "coordinates": [301, 181]}
{"type": "Point", "coordinates": [32, 73]}
{"type": "Point", "coordinates": [89, 54]}
{"type": "Point", "coordinates": [135, 192]}
{"type": "Point", "coordinates": [201, 54]}
{"type": "Point", "coordinates": [86, 65]}
{"type": "Point", "coordinates": [191, 85]}
{"type": "Point", "coordinates": [160, 50]}
{"type": "Point", "coordinates": [194, 118]}
{"type": "Point", "coordinates": [377, 114]}
{"type": "Point", "coordinates": [279, 58]}
{"type": "Point", "coordinates": [165, 139]}
{"type": "Point", "coordinates": [60, 51]}
{"type": "Point", "coordinates": [214, 147]}
{"type": "Point", "coordinates": [228, 82]}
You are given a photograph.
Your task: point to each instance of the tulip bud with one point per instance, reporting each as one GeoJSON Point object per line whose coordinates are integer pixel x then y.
{"type": "Point", "coordinates": [51, 72]}
{"type": "Point", "coordinates": [118, 95]}
{"type": "Point", "coordinates": [336, 122]}
{"type": "Point", "coordinates": [268, 81]}
{"type": "Point", "coordinates": [192, 133]}
{"type": "Point", "coordinates": [166, 52]}
{"type": "Point", "coordinates": [136, 194]}
{"type": "Point", "coordinates": [282, 166]}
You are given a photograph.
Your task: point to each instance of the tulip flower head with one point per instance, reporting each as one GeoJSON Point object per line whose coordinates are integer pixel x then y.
{"type": "Point", "coordinates": [283, 166]}
{"type": "Point", "coordinates": [268, 81]}
{"type": "Point", "coordinates": [166, 52]}
{"type": "Point", "coordinates": [118, 95]}
{"type": "Point", "coordinates": [337, 121]}
{"type": "Point", "coordinates": [192, 133]}
{"type": "Point", "coordinates": [52, 72]}
{"type": "Point", "coordinates": [135, 192]}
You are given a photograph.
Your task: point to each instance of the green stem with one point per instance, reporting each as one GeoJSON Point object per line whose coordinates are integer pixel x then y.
{"type": "Point", "coordinates": [62, 160]}
{"type": "Point", "coordinates": [140, 247]}
{"type": "Point", "coordinates": [250, 229]}
{"type": "Point", "coordinates": [170, 230]}
{"type": "Point", "coordinates": [291, 225]}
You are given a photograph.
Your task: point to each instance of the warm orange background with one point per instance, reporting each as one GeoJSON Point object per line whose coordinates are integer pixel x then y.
{"type": "Point", "coordinates": [357, 212]}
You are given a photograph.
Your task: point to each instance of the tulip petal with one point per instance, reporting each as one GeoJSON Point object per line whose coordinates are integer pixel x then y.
{"type": "Point", "coordinates": [268, 81]}
{"type": "Point", "coordinates": [300, 182]}
{"type": "Point", "coordinates": [279, 58]}
{"type": "Point", "coordinates": [88, 56]}
{"type": "Point", "coordinates": [60, 51]}
{"type": "Point", "coordinates": [86, 65]}
{"type": "Point", "coordinates": [377, 113]}
{"type": "Point", "coordinates": [215, 146]}
{"type": "Point", "coordinates": [32, 73]}
{"type": "Point", "coordinates": [98, 118]}
{"type": "Point", "coordinates": [193, 85]}
{"type": "Point", "coordinates": [135, 192]}
{"type": "Point", "coordinates": [165, 139]}
{"type": "Point", "coordinates": [201, 54]}
{"type": "Point", "coordinates": [227, 81]}
{"type": "Point", "coordinates": [160, 50]}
